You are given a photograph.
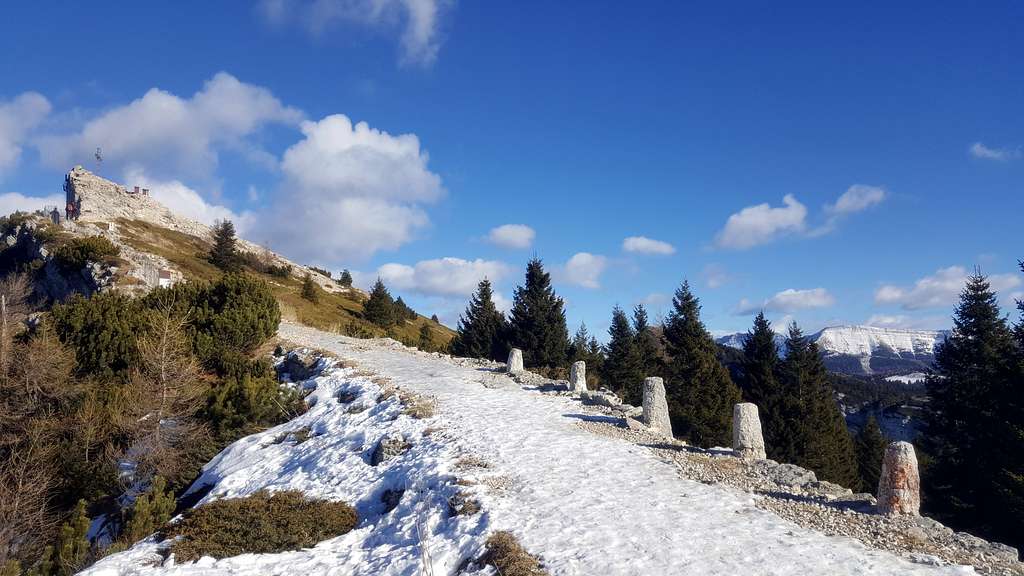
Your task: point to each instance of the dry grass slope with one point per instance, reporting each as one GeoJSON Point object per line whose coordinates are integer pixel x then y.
{"type": "Point", "coordinates": [336, 311]}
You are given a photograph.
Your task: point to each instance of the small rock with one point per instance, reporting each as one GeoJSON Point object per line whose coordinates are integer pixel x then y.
{"type": "Point", "coordinates": [389, 447]}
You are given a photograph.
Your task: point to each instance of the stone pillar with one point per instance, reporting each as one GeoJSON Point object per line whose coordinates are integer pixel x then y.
{"type": "Point", "coordinates": [899, 486]}
{"type": "Point", "coordinates": [515, 361]}
{"type": "Point", "coordinates": [655, 414]}
{"type": "Point", "coordinates": [746, 432]}
{"type": "Point", "coordinates": [578, 376]}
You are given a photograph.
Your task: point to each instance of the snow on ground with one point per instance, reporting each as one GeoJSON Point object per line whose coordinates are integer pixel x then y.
{"type": "Point", "coordinates": [585, 504]}
{"type": "Point", "coordinates": [912, 378]}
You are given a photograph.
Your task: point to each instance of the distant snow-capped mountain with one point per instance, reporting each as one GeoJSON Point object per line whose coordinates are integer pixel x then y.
{"type": "Point", "coordinates": [867, 349]}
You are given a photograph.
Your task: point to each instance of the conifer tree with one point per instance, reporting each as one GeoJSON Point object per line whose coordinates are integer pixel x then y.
{"type": "Point", "coordinates": [870, 447]}
{"type": "Point", "coordinates": [426, 342]}
{"type": "Point", "coordinates": [309, 289]}
{"type": "Point", "coordinates": [152, 510]}
{"type": "Point", "coordinates": [976, 480]}
{"type": "Point", "coordinates": [345, 280]}
{"type": "Point", "coordinates": [537, 320]}
{"type": "Point", "coordinates": [646, 342]}
{"type": "Point", "coordinates": [579, 347]}
{"type": "Point", "coordinates": [481, 330]}
{"type": "Point", "coordinates": [380, 308]}
{"type": "Point", "coordinates": [701, 394]}
{"type": "Point", "coordinates": [762, 386]}
{"type": "Point", "coordinates": [72, 542]}
{"type": "Point", "coordinates": [224, 253]}
{"type": "Point", "coordinates": [821, 440]}
{"type": "Point", "coordinates": [622, 371]}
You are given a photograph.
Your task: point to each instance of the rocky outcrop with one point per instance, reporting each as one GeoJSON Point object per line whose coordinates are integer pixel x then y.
{"type": "Point", "coordinates": [389, 447]}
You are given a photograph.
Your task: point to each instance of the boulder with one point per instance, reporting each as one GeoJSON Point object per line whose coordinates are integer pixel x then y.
{"type": "Point", "coordinates": [578, 377]}
{"type": "Point", "coordinates": [515, 361]}
{"type": "Point", "coordinates": [899, 486]}
{"type": "Point", "coordinates": [655, 407]}
{"type": "Point", "coordinates": [298, 366]}
{"type": "Point", "coordinates": [747, 440]}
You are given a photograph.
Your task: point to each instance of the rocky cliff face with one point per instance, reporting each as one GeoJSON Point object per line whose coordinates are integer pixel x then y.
{"type": "Point", "coordinates": [103, 204]}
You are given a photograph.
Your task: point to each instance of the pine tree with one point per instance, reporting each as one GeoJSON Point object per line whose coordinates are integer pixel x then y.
{"type": "Point", "coordinates": [700, 392]}
{"type": "Point", "coordinates": [622, 371]}
{"type": "Point", "coordinates": [309, 289]}
{"type": "Point", "coordinates": [426, 342]}
{"type": "Point", "coordinates": [72, 542]}
{"type": "Point", "coordinates": [870, 447]}
{"type": "Point", "coordinates": [761, 385]}
{"type": "Point", "coordinates": [403, 312]}
{"type": "Point", "coordinates": [820, 439]}
{"type": "Point", "coordinates": [974, 421]}
{"type": "Point", "coordinates": [481, 330]}
{"type": "Point", "coordinates": [646, 342]}
{"type": "Point", "coordinates": [380, 308]}
{"type": "Point", "coordinates": [152, 510]}
{"type": "Point", "coordinates": [345, 280]}
{"type": "Point", "coordinates": [537, 320]}
{"type": "Point", "coordinates": [224, 253]}
{"type": "Point", "coordinates": [579, 346]}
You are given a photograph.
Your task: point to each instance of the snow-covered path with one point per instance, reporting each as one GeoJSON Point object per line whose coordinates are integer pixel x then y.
{"type": "Point", "coordinates": [588, 504]}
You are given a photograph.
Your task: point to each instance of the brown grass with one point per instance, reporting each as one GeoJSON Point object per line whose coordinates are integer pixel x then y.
{"type": "Point", "coordinates": [338, 311]}
{"type": "Point", "coordinates": [507, 555]}
{"type": "Point", "coordinates": [462, 505]}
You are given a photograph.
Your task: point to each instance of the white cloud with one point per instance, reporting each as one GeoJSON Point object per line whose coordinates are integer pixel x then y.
{"type": "Point", "coordinates": [349, 192]}
{"type": "Point", "coordinates": [512, 236]}
{"type": "Point", "coordinates": [442, 276]}
{"type": "Point", "coordinates": [908, 322]}
{"type": "Point", "coordinates": [857, 198]}
{"type": "Point", "coordinates": [644, 245]}
{"type": "Point", "coordinates": [585, 269]}
{"type": "Point", "coordinates": [979, 150]}
{"type": "Point", "coordinates": [17, 118]}
{"type": "Point", "coordinates": [15, 202]}
{"type": "Point", "coordinates": [789, 300]}
{"type": "Point", "coordinates": [941, 289]}
{"type": "Point", "coordinates": [760, 224]}
{"type": "Point", "coordinates": [187, 202]}
{"type": "Point", "coordinates": [715, 276]}
{"type": "Point", "coordinates": [169, 136]}
{"type": "Point", "coordinates": [655, 299]}
{"type": "Point", "coordinates": [419, 20]}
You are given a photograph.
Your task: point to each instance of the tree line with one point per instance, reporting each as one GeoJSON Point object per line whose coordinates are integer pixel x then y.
{"type": "Point", "coordinates": [110, 405]}
{"type": "Point", "coordinates": [972, 449]}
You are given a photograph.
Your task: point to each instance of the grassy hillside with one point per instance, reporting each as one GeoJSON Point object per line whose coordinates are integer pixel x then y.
{"type": "Point", "coordinates": [337, 311]}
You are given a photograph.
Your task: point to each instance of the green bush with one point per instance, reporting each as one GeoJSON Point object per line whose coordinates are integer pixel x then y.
{"type": "Point", "coordinates": [103, 330]}
{"type": "Point", "coordinates": [151, 511]}
{"type": "Point", "coordinates": [237, 406]}
{"type": "Point", "coordinates": [237, 312]}
{"type": "Point", "coordinates": [262, 523]}
{"type": "Point", "coordinates": [74, 254]}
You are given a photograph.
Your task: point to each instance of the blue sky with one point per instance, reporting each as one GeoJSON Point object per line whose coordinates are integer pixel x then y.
{"type": "Point", "coordinates": [832, 165]}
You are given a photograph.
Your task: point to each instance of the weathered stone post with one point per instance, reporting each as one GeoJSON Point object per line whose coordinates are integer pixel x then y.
{"type": "Point", "coordinates": [899, 486]}
{"type": "Point", "coordinates": [655, 414]}
{"type": "Point", "coordinates": [515, 361]}
{"type": "Point", "coordinates": [578, 376]}
{"type": "Point", "coordinates": [747, 439]}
